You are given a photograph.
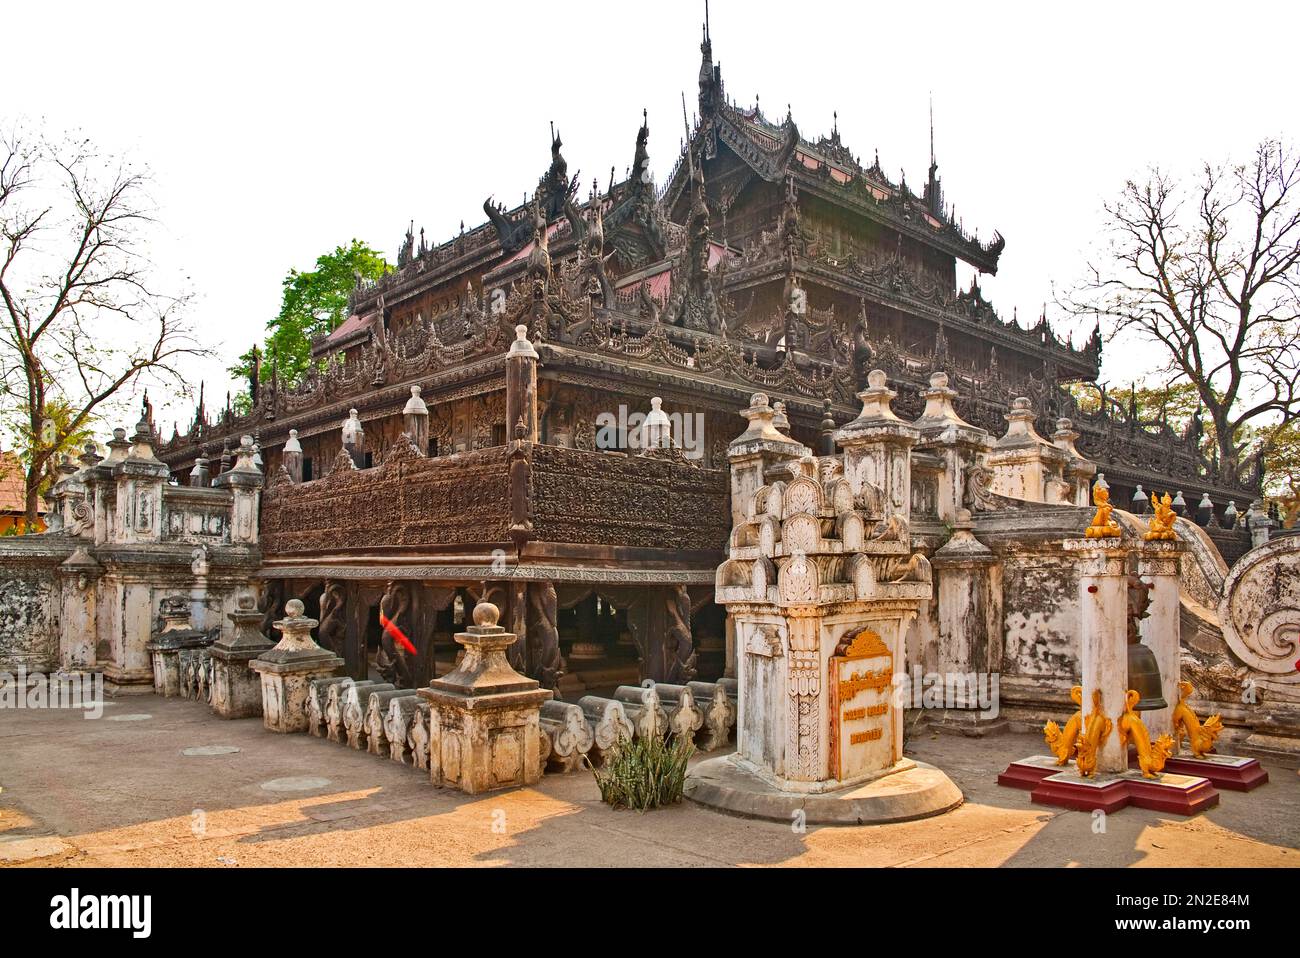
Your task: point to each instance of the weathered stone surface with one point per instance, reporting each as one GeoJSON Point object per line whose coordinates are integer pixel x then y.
{"type": "Point", "coordinates": [570, 733]}
{"type": "Point", "coordinates": [237, 689]}
{"type": "Point", "coordinates": [484, 716]}
{"type": "Point", "coordinates": [915, 790]}
{"type": "Point", "coordinates": [397, 725]}
{"type": "Point", "coordinates": [288, 669]}
{"type": "Point", "coordinates": [719, 712]}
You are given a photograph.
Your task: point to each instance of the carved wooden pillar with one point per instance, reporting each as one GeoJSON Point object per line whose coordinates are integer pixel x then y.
{"type": "Point", "coordinates": [521, 386]}
{"type": "Point", "coordinates": [291, 456]}
{"type": "Point", "coordinates": [356, 661]}
{"type": "Point", "coordinates": [679, 643]}
{"type": "Point", "coordinates": [511, 599]}
{"type": "Point", "coordinates": [395, 661]}
{"type": "Point", "coordinates": [543, 635]}
{"type": "Point", "coordinates": [333, 630]}
{"type": "Point", "coordinates": [272, 604]}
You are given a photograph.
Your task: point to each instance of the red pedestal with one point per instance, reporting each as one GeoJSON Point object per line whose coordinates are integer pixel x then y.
{"type": "Point", "coordinates": [1173, 791]}
{"type": "Point", "coordinates": [1176, 794]}
{"type": "Point", "coordinates": [1223, 771]}
{"type": "Point", "coordinates": [1068, 790]}
{"type": "Point", "coordinates": [1028, 772]}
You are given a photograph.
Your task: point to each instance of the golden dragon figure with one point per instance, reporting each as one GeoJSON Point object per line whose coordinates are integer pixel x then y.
{"type": "Point", "coordinates": [1096, 728]}
{"type": "Point", "coordinates": [1200, 738]}
{"type": "Point", "coordinates": [1063, 742]}
{"type": "Point", "coordinates": [1151, 757]}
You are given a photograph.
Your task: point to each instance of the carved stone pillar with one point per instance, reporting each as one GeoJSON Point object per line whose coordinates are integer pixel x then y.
{"type": "Point", "coordinates": [79, 577]}
{"type": "Point", "coordinates": [1158, 563]}
{"type": "Point", "coordinates": [970, 629]}
{"type": "Point", "coordinates": [753, 452]}
{"type": "Point", "coordinates": [245, 482]}
{"type": "Point", "coordinates": [1103, 631]}
{"type": "Point", "coordinates": [139, 477]}
{"type": "Point", "coordinates": [484, 717]}
{"type": "Point", "coordinates": [1078, 469]}
{"type": "Point", "coordinates": [1025, 465]}
{"type": "Point", "coordinates": [236, 688]}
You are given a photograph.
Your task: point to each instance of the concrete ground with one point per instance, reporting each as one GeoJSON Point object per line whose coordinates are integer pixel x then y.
{"type": "Point", "coordinates": [120, 791]}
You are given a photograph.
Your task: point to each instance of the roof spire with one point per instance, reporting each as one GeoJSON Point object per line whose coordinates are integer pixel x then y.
{"type": "Point", "coordinates": [933, 188]}
{"type": "Point", "coordinates": [706, 21]}
{"type": "Point", "coordinates": [933, 164]}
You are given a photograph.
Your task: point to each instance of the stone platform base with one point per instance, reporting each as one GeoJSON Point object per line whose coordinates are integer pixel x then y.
{"type": "Point", "coordinates": [1234, 773]}
{"type": "Point", "coordinates": [916, 792]}
{"type": "Point", "coordinates": [1050, 784]}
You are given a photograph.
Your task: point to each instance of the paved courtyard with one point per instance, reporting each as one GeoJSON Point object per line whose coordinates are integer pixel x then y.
{"type": "Point", "coordinates": [122, 791]}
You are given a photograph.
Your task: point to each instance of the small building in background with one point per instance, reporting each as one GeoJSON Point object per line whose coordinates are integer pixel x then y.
{"type": "Point", "coordinates": [12, 500]}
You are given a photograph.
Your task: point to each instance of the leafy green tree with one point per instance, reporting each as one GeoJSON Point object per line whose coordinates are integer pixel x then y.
{"type": "Point", "coordinates": [314, 303]}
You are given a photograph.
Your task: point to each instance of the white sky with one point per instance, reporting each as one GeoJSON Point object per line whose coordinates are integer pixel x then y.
{"type": "Point", "coordinates": [279, 130]}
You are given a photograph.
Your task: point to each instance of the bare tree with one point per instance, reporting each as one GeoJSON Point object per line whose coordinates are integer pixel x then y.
{"type": "Point", "coordinates": [1210, 275]}
{"type": "Point", "coordinates": [81, 319]}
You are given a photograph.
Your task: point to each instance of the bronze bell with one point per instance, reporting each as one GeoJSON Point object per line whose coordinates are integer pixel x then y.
{"type": "Point", "coordinates": [1144, 678]}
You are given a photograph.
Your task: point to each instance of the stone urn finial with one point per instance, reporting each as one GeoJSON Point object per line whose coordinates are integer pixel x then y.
{"type": "Point", "coordinates": [295, 629]}
{"type": "Point", "coordinates": [486, 615]}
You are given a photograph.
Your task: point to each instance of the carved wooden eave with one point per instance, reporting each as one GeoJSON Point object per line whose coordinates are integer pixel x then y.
{"type": "Point", "coordinates": [676, 387]}
{"type": "Point", "coordinates": [432, 270]}
{"type": "Point", "coordinates": [1070, 363]}
{"type": "Point", "coordinates": [901, 211]}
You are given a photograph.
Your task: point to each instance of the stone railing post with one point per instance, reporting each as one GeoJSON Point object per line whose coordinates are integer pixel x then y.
{"type": "Point", "coordinates": [236, 688]}
{"type": "Point", "coordinates": [484, 717]}
{"type": "Point", "coordinates": [956, 441]}
{"type": "Point", "coordinates": [166, 646]}
{"type": "Point", "coordinates": [287, 670]}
